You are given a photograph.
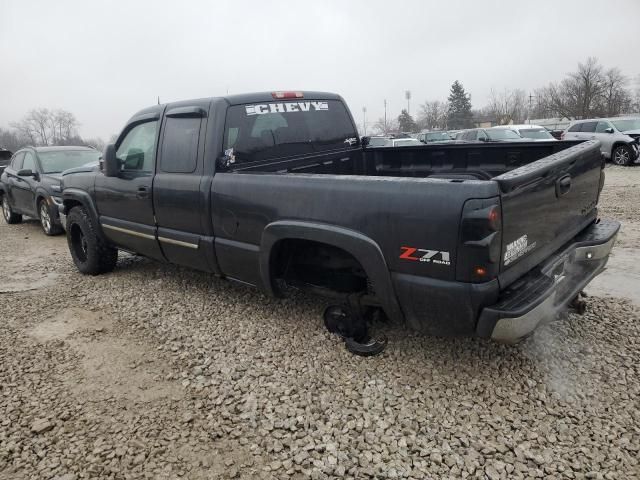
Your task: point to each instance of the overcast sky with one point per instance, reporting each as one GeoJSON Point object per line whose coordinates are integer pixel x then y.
{"type": "Point", "coordinates": [105, 60]}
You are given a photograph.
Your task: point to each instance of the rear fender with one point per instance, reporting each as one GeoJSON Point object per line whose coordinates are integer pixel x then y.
{"type": "Point", "coordinates": [362, 248]}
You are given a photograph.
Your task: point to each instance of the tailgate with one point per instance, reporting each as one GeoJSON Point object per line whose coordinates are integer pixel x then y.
{"type": "Point", "coordinates": [546, 203]}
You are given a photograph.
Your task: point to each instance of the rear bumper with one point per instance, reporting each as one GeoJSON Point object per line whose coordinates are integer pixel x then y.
{"type": "Point", "coordinates": [542, 293]}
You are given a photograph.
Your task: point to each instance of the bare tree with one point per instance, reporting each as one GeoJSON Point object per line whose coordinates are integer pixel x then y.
{"type": "Point", "coordinates": [433, 115]}
{"type": "Point", "coordinates": [589, 92]}
{"type": "Point", "coordinates": [616, 99]}
{"type": "Point", "coordinates": [507, 106]}
{"type": "Point", "coordinates": [384, 128]}
{"type": "Point", "coordinates": [41, 127]}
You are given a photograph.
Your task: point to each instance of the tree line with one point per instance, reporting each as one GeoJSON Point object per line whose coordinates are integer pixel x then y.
{"type": "Point", "coordinates": [43, 127]}
{"type": "Point", "coordinates": [590, 91]}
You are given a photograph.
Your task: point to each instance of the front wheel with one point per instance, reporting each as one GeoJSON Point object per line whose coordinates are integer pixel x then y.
{"type": "Point", "coordinates": [9, 216]}
{"type": "Point", "coordinates": [91, 254]}
{"type": "Point", "coordinates": [49, 227]}
{"type": "Point", "coordinates": [622, 155]}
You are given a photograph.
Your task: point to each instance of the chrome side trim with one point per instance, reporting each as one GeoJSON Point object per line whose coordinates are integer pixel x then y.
{"type": "Point", "coordinates": [129, 232]}
{"type": "Point", "coordinates": [179, 243]}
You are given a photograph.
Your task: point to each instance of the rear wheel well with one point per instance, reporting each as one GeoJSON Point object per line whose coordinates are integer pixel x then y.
{"type": "Point", "coordinates": [308, 263]}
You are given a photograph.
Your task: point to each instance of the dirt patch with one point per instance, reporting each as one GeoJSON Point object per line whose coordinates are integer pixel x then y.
{"type": "Point", "coordinates": [111, 366]}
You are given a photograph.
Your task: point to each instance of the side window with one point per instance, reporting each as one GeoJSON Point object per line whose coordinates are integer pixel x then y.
{"type": "Point", "coordinates": [589, 127]}
{"type": "Point", "coordinates": [16, 163]}
{"type": "Point", "coordinates": [179, 152]}
{"type": "Point", "coordinates": [137, 149]}
{"type": "Point", "coordinates": [29, 162]}
{"type": "Point", "coordinates": [575, 128]}
{"type": "Point", "coordinates": [602, 126]}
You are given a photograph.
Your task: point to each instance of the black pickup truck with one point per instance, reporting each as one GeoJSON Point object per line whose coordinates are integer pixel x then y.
{"type": "Point", "coordinates": [277, 190]}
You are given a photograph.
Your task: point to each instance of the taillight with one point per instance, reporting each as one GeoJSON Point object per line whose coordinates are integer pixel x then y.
{"type": "Point", "coordinates": [480, 241]}
{"type": "Point", "coordinates": [283, 95]}
{"type": "Point", "coordinates": [562, 136]}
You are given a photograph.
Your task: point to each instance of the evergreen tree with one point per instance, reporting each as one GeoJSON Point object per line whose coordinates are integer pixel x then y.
{"type": "Point", "coordinates": [406, 123]}
{"type": "Point", "coordinates": [459, 107]}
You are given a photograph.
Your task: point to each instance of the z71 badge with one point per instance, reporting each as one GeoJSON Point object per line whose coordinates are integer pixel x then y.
{"type": "Point", "coordinates": [423, 255]}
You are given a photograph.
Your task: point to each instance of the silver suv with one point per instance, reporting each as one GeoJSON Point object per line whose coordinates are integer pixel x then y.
{"type": "Point", "coordinates": [618, 137]}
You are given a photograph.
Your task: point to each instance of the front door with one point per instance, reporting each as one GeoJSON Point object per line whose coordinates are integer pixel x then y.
{"type": "Point", "coordinates": [125, 203]}
{"type": "Point", "coordinates": [24, 187]}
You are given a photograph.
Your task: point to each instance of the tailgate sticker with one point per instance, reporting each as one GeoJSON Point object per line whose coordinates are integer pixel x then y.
{"type": "Point", "coordinates": [423, 255]}
{"type": "Point", "coordinates": [285, 107]}
{"type": "Point", "coordinates": [517, 248]}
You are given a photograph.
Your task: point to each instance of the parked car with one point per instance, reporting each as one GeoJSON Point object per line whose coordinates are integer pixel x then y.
{"type": "Point", "coordinates": [618, 137]}
{"type": "Point", "coordinates": [30, 185]}
{"type": "Point", "coordinates": [490, 135]}
{"type": "Point", "coordinates": [5, 158]}
{"type": "Point", "coordinates": [393, 142]}
{"type": "Point", "coordinates": [275, 190]}
{"type": "Point", "coordinates": [534, 133]}
{"type": "Point", "coordinates": [430, 137]}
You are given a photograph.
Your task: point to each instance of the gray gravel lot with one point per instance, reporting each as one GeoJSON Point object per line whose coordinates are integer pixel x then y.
{"type": "Point", "coordinates": [155, 371]}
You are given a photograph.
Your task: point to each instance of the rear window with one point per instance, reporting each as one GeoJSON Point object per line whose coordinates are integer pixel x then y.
{"type": "Point", "coordinates": [537, 133]}
{"type": "Point", "coordinates": [283, 129]}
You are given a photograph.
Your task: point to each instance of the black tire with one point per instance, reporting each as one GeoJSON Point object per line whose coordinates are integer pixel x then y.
{"type": "Point", "coordinates": [9, 215]}
{"type": "Point", "coordinates": [90, 252]}
{"type": "Point", "coordinates": [622, 155]}
{"type": "Point", "coordinates": [47, 219]}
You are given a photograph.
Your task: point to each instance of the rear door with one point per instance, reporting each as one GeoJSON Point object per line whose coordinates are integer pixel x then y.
{"type": "Point", "coordinates": [178, 203]}
{"type": "Point", "coordinates": [573, 132]}
{"type": "Point", "coordinates": [545, 204]}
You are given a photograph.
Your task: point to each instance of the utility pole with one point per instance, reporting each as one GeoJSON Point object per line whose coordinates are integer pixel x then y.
{"type": "Point", "coordinates": [407, 95]}
{"type": "Point", "coordinates": [530, 107]}
{"type": "Point", "coordinates": [364, 120]}
{"type": "Point", "coordinates": [385, 116]}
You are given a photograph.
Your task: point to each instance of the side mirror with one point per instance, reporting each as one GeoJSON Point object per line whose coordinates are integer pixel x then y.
{"type": "Point", "coordinates": [109, 163]}
{"type": "Point", "coordinates": [609, 130]}
{"type": "Point", "coordinates": [26, 172]}
{"type": "Point", "coordinates": [365, 141]}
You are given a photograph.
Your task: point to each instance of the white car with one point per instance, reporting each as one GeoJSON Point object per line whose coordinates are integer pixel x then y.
{"type": "Point", "coordinates": [534, 133]}
{"type": "Point", "coordinates": [618, 136]}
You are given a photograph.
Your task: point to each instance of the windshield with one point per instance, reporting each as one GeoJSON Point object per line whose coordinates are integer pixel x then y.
{"type": "Point", "coordinates": [502, 134]}
{"type": "Point", "coordinates": [61, 160]}
{"type": "Point", "coordinates": [287, 128]}
{"type": "Point", "coordinates": [537, 133]}
{"type": "Point", "coordinates": [406, 142]}
{"type": "Point", "coordinates": [627, 124]}
{"type": "Point", "coordinates": [438, 136]}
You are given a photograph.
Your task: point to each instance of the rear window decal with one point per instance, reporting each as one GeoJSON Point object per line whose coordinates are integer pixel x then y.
{"type": "Point", "coordinates": [285, 107]}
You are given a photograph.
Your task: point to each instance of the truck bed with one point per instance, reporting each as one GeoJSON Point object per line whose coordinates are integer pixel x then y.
{"type": "Point", "coordinates": [465, 161]}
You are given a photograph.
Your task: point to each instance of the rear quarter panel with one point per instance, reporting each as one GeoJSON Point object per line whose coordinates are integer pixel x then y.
{"type": "Point", "coordinates": [393, 212]}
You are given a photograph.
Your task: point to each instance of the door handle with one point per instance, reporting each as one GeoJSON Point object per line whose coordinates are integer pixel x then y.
{"type": "Point", "coordinates": [563, 185]}
{"type": "Point", "coordinates": [143, 192]}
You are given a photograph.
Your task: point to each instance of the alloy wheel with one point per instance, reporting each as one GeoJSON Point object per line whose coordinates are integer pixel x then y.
{"type": "Point", "coordinates": [621, 156]}
{"type": "Point", "coordinates": [45, 219]}
{"type": "Point", "coordinates": [6, 210]}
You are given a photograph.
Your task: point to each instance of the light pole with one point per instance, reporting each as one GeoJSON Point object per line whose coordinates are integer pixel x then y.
{"type": "Point", "coordinates": [385, 116]}
{"type": "Point", "coordinates": [364, 120]}
{"type": "Point", "coordinates": [407, 95]}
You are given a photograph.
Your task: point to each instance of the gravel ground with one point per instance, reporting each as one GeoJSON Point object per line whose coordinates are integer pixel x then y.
{"type": "Point", "coordinates": [154, 371]}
